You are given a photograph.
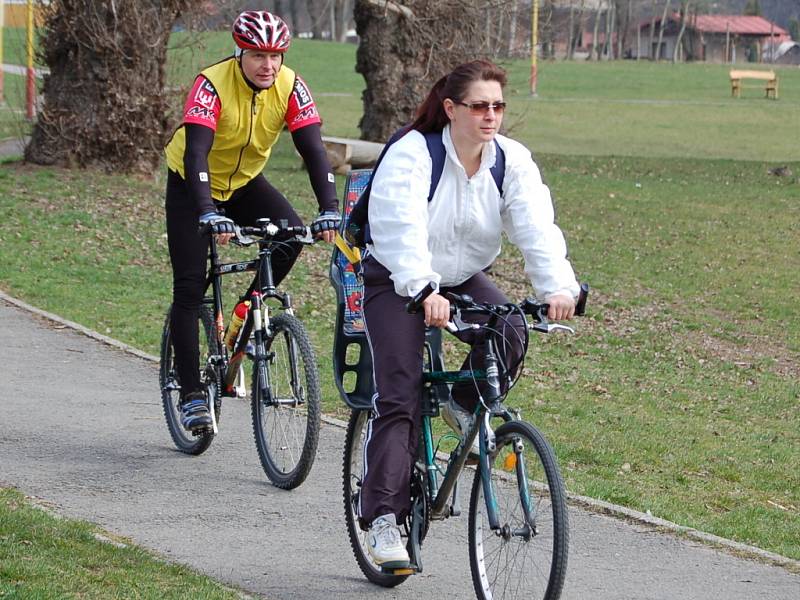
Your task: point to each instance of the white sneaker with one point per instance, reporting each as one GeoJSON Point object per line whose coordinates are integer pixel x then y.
{"type": "Point", "coordinates": [385, 545]}
{"type": "Point", "coordinates": [459, 420]}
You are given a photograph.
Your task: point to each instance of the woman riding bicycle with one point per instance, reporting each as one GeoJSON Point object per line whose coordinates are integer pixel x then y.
{"type": "Point", "coordinates": [233, 116]}
{"type": "Point", "coordinates": [446, 243]}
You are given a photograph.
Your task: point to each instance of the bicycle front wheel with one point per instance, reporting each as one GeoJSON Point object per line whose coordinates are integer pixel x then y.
{"type": "Point", "coordinates": [286, 404]}
{"type": "Point", "coordinates": [527, 556]}
{"type": "Point", "coordinates": [171, 387]}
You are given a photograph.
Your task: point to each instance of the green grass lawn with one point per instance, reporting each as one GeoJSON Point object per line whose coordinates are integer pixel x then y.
{"type": "Point", "coordinates": [44, 557]}
{"type": "Point", "coordinates": [678, 395]}
{"type": "Point", "coordinates": [620, 108]}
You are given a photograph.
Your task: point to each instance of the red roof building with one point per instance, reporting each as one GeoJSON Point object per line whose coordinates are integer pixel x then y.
{"type": "Point", "coordinates": [714, 38]}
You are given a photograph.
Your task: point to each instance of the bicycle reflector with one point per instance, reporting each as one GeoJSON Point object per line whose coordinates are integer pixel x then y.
{"type": "Point", "coordinates": [510, 462]}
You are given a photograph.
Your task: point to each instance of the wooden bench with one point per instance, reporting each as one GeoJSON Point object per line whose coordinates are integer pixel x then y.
{"type": "Point", "coordinates": [771, 87]}
{"type": "Point", "coordinates": [346, 153]}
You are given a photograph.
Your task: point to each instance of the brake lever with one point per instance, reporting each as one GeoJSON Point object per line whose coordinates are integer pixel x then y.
{"type": "Point", "coordinates": [542, 325]}
{"type": "Point", "coordinates": [457, 324]}
{"type": "Point", "coordinates": [545, 327]}
{"type": "Point", "coordinates": [240, 239]}
{"type": "Point", "coordinates": [307, 238]}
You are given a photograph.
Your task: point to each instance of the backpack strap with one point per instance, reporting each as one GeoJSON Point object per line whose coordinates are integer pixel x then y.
{"type": "Point", "coordinates": [499, 169]}
{"type": "Point", "coordinates": [438, 156]}
{"type": "Point", "coordinates": [433, 140]}
{"type": "Point", "coordinates": [436, 149]}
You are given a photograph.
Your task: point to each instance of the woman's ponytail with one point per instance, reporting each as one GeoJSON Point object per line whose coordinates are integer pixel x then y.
{"type": "Point", "coordinates": [430, 114]}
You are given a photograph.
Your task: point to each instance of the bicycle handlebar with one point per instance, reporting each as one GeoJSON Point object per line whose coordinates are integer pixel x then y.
{"type": "Point", "coordinates": [413, 305]}
{"type": "Point", "coordinates": [463, 302]}
{"type": "Point", "coordinates": [266, 230]}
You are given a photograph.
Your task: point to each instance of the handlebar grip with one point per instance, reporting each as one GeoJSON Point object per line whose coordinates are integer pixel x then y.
{"type": "Point", "coordinates": [580, 307]}
{"type": "Point", "coordinates": [413, 305]}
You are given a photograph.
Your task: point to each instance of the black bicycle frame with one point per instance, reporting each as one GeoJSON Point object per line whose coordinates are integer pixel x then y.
{"type": "Point", "coordinates": [263, 285]}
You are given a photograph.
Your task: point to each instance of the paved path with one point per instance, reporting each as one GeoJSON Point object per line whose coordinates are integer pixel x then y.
{"type": "Point", "coordinates": [22, 70]}
{"type": "Point", "coordinates": [84, 431]}
{"type": "Point", "coordinates": [13, 147]}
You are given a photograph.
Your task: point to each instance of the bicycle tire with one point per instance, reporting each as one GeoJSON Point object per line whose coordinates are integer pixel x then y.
{"type": "Point", "coordinates": [171, 389]}
{"type": "Point", "coordinates": [286, 435]}
{"type": "Point", "coordinates": [509, 566]}
{"type": "Point", "coordinates": [352, 471]}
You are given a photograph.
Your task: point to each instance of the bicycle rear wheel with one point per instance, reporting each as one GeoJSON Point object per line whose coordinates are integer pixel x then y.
{"type": "Point", "coordinates": [527, 557]}
{"type": "Point", "coordinates": [286, 404]}
{"type": "Point", "coordinates": [352, 472]}
{"type": "Point", "coordinates": [171, 387]}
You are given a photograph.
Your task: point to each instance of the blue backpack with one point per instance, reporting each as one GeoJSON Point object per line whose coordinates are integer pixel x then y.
{"type": "Point", "coordinates": [357, 231]}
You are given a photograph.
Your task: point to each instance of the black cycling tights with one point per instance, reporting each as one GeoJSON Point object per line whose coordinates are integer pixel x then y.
{"type": "Point", "coordinates": [188, 252]}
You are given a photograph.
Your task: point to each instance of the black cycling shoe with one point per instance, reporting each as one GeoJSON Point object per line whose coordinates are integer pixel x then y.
{"type": "Point", "coordinates": [194, 412]}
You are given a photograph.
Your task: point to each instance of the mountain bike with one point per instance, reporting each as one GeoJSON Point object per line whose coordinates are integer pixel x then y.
{"type": "Point", "coordinates": [518, 521]}
{"type": "Point", "coordinates": [274, 347]}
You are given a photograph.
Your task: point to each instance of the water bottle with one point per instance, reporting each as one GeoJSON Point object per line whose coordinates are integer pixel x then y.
{"type": "Point", "coordinates": [237, 318]}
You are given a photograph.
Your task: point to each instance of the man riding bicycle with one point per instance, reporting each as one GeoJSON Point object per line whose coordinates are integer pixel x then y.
{"type": "Point", "coordinates": [233, 116]}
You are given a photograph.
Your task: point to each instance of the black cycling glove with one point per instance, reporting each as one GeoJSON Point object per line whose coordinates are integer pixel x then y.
{"type": "Point", "coordinates": [215, 223]}
{"type": "Point", "coordinates": [326, 221]}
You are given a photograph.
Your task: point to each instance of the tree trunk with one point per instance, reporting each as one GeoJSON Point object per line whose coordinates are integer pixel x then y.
{"type": "Point", "coordinates": [279, 10]}
{"type": "Point", "coordinates": [104, 100]}
{"type": "Point", "coordinates": [343, 14]}
{"type": "Point", "coordinates": [512, 30]}
{"type": "Point", "coordinates": [652, 30]}
{"type": "Point", "coordinates": [661, 29]}
{"type": "Point", "coordinates": [684, 17]}
{"type": "Point", "coordinates": [571, 33]}
{"type": "Point", "coordinates": [295, 16]}
{"type": "Point", "coordinates": [487, 32]}
{"type": "Point", "coordinates": [578, 29]}
{"type": "Point", "coordinates": [622, 27]}
{"type": "Point", "coordinates": [608, 48]}
{"type": "Point", "coordinates": [404, 48]}
{"type": "Point", "coordinates": [499, 37]}
{"type": "Point", "coordinates": [595, 51]}
{"type": "Point", "coordinates": [317, 16]}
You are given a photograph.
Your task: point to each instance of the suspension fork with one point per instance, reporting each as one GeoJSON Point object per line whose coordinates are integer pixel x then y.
{"type": "Point", "coordinates": [259, 312]}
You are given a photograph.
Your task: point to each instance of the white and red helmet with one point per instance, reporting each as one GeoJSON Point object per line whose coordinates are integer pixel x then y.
{"type": "Point", "coordinates": [261, 30]}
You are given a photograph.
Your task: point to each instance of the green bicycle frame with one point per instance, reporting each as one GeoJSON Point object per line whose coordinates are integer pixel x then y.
{"type": "Point", "coordinates": [440, 494]}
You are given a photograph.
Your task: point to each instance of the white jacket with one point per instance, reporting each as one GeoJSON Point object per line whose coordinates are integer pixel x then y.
{"type": "Point", "coordinates": [458, 233]}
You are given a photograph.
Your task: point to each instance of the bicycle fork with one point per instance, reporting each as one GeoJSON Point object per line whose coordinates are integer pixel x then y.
{"type": "Point", "coordinates": [515, 460]}
{"type": "Point", "coordinates": [260, 313]}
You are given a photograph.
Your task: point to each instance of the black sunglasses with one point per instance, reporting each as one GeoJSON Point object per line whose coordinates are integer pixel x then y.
{"type": "Point", "coordinates": [481, 108]}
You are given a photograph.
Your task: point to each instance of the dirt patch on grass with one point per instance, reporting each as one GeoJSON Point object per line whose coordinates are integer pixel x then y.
{"type": "Point", "coordinates": [753, 351]}
{"type": "Point", "coordinates": [749, 351]}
